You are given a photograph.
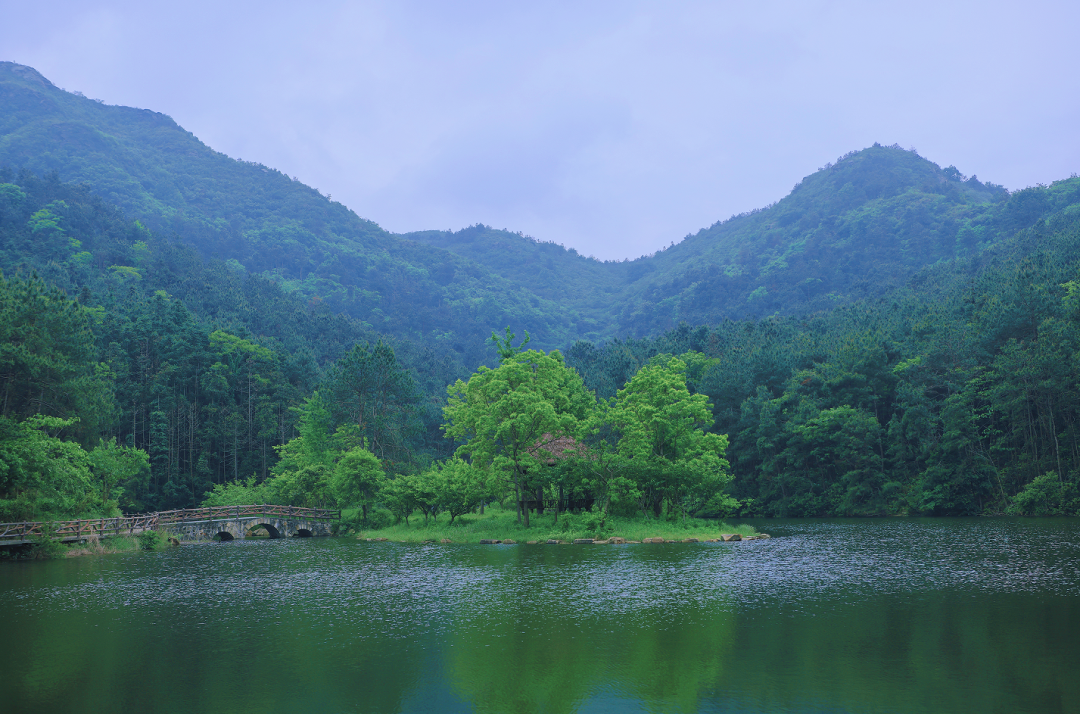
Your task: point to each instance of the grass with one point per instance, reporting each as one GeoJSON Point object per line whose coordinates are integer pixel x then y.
{"type": "Point", "coordinates": [148, 540]}
{"type": "Point", "coordinates": [501, 524]}
{"type": "Point", "coordinates": [102, 546]}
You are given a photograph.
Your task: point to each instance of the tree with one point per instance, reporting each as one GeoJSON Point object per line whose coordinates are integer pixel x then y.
{"type": "Point", "coordinates": [41, 475]}
{"type": "Point", "coordinates": [502, 414]}
{"type": "Point", "coordinates": [358, 476]}
{"type": "Point", "coordinates": [603, 469]}
{"type": "Point", "coordinates": [369, 388]}
{"type": "Point", "coordinates": [47, 360]}
{"type": "Point", "coordinates": [460, 487]}
{"type": "Point", "coordinates": [399, 495]}
{"type": "Point", "coordinates": [115, 466]}
{"type": "Point", "coordinates": [424, 491]}
{"type": "Point", "coordinates": [662, 437]}
{"type": "Point", "coordinates": [504, 345]}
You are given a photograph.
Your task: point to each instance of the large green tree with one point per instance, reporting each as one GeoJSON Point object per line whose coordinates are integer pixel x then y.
{"type": "Point", "coordinates": [501, 415]}
{"type": "Point", "coordinates": [663, 441]}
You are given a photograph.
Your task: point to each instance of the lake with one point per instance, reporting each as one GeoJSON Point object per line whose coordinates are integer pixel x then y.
{"type": "Point", "coordinates": [878, 615]}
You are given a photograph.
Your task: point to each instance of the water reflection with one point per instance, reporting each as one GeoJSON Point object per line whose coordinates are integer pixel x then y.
{"type": "Point", "coordinates": [889, 615]}
{"type": "Point", "coordinates": [565, 625]}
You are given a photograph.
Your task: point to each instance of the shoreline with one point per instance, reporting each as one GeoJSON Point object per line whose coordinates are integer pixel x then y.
{"type": "Point", "coordinates": [501, 525]}
{"type": "Point", "coordinates": [612, 540]}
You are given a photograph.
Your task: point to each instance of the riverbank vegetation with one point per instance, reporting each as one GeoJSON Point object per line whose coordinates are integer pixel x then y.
{"type": "Point", "coordinates": [528, 431]}
{"type": "Point", "coordinates": [138, 375]}
{"type": "Point", "coordinates": [501, 523]}
{"type": "Point", "coordinates": [45, 548]}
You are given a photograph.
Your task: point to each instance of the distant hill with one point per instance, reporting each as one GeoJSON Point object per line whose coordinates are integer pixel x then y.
{"type": "Point", "coordinates": [270, 224]}
{"type": "Point", "coordinates": [855, 229]}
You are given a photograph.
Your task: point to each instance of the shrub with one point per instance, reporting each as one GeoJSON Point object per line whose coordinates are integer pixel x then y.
{"type": "Point", "coordinates": [595, 523]}
{"type": "Point", "coordinates": [1046, 495]}
{"type": "Point", "coordinates": [46, 548]}
{"type": "Point", "coordinates": [151, 540]}
{"type": "Point", "coordinates": [380, 518]}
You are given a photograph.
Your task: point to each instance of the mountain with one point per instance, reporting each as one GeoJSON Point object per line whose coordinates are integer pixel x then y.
{"type": "Point", "coordinates": [268, 223]}
{"type": "Point", "coordinates": [854, 229]}
{"type": "Point", "coordinates": [890, 337]}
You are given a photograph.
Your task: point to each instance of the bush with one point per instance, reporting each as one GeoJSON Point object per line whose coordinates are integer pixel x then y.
{"type": "Point", "coordinates": [380, 518]}
{"type": "Point", "coordinates": [46, 548]}
{"type": "Point", "coordinates": [595, 523]}
{"type": "Point", "coordinates": [151, 540]}
{"type": "Point", "coordinates": [1046, 495]}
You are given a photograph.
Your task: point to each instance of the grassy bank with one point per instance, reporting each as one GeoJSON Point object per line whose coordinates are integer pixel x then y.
{"type": "Point", "coordinates": [501, 524]}
{"type": "Point", "coordinates": [47, 549]}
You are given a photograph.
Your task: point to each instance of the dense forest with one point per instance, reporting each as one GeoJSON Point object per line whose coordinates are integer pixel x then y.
{"type": "Point", "coordinates": [890, 338]}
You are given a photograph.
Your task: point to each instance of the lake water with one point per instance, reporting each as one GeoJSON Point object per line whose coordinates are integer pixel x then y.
{"type": "Point", "coordinates": [898, 615]}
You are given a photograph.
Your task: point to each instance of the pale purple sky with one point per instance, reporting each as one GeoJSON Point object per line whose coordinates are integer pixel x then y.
{"type": "Point", "coordinates": [612, 127]}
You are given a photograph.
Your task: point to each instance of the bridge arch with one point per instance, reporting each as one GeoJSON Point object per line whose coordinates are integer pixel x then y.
{"type": "Point", "coordinates": [239, 521]}
{"type": "Point", "coordinates": [271, 530]}
{"type": "Point", "coordinates": [224, 536]}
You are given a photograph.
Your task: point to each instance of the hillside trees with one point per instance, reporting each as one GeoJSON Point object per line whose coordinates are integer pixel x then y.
{"type": "Point", "coordinates": [202, 363]}
{"type": "Point", "coordinates": [47, 359]}
{"type": "Point", "coordinates": [955, 396]}
{"type": "Point", "coordinates": [56, 404]}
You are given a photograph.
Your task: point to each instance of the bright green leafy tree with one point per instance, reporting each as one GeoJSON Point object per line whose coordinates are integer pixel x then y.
{"type": "Point", "coordinates": [358, 476]}
{"type": "Point", "coordinates": [662, 438]}
{"type": "Point", "coordinates": [502, 414]}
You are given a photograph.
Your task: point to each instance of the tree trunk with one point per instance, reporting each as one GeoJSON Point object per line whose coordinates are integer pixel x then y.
{"type": "Point", "coordinates": [524, 506]}
{"type": "Point", "coordinates": [517, 498]}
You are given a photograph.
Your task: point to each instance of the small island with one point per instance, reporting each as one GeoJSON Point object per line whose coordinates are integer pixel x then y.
{"type": "Point", "coordinates": [499, 525]}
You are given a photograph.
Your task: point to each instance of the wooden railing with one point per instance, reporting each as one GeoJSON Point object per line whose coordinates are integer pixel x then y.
{"type": "Point", "coordinates": [77, 530]}
{"type": "Point", "coordinates": [133, 525]}
{"type": "Point", "coordinates": [224, 513]}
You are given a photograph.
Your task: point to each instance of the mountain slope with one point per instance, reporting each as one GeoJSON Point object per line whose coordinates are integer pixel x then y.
{"type": "Point", "coordinates": [855, 229]}
{"type": "Point", "coordinates": [270, 224]}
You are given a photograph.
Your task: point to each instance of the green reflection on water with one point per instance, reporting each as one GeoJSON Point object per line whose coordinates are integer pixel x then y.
{"type": "Point", "coordinates": [525, 652]}
{"type": "Point", "coordinates": [869, 619]}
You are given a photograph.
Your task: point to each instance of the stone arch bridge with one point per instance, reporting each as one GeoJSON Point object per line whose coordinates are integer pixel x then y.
{"type": "Point", "coordinates": [220, 522]}
{"type": "Point", "coordinates": [234, 522]}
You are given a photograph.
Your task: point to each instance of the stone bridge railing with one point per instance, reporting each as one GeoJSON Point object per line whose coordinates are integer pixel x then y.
{"type": "Point", "coordinates": [227, 522]}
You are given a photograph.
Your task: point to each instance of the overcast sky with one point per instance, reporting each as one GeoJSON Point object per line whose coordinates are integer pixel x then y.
{"type": "Point", "coordinates": [612, 127]}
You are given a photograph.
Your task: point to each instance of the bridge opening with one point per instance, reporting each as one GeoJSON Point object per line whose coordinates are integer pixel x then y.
{"type": "Point", "coordinates": [270, 530]}
{"type": "Point", "coordinates": [223, 536]}
{"type": "Point", "coordinates": [303, 533]}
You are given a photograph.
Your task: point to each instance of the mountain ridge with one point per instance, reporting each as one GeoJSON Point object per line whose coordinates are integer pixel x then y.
{"type": "Point", "coordinates": [853, 229]}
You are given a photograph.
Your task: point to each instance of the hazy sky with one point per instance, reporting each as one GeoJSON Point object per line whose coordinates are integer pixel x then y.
{"type": "Point", "coordinates": [612, 127]}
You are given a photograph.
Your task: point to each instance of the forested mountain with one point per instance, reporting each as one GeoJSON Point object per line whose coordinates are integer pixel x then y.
{"type": "Point", "coordinates": [854, 229]}
{"type": "Point", "coordinates": [891, 337]}
{"type": "Point", "coordinates": [267, 222]}
{"type": "Point", "coordinates": [955, 394]}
